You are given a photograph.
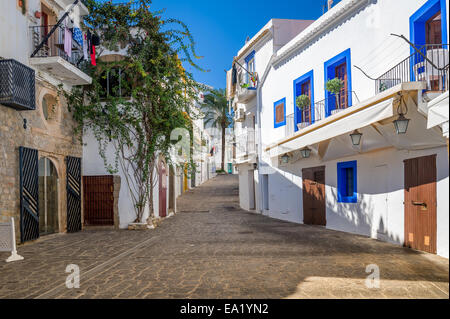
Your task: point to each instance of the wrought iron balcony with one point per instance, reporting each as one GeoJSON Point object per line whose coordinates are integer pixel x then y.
{"type": "Point", "coordinates": [53, 58]}
{"type": "Point", "coordinates": [54, 45]}
{"type": "Point", "coordinates": [333, 104]}
{"type": "Point", "coordinates": [17, 85]}
{"type": "Point", "coordinates": [429, 64]}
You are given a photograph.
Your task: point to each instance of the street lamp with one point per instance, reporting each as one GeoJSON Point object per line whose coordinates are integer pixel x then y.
{"type": "Point", "coordinates": [356, 137]}
{"type": "Point", "coordinates": [306, 152]}
{"type": "Point", "coordinates": [401, 123]}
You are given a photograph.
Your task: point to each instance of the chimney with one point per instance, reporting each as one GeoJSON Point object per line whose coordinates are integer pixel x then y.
{"type": "Point", "coordinates": [330, 4]}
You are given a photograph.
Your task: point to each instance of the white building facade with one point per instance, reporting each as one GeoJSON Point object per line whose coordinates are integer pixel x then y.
{"type": "Point", "coordinates": [40, 172]}
{"type": "Point", "coordinates": [242, 91]}
{"type": "Point", "coordinates": [381, 182]}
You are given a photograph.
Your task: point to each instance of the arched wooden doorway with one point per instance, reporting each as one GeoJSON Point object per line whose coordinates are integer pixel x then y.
{"type": "Point", "coordinates": [162, 189]}
{"type": "Point", "coordinates": [48, 197]}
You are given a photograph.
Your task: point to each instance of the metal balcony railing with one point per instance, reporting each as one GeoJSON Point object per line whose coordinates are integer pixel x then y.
{"type": "Point", "coordinates": [246, 144]}
{"type": "Point", "coordinates": [429, 64]}
{"type": "Point", "coordinates": [54, 45]}
{"type": "Point", "coordinates": [333, 103]}
{"type": "Point", "coordinates": [290, 124]}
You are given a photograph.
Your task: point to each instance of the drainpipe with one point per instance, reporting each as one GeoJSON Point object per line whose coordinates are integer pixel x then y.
{"type": "Point", "coordinates": [258, 115]}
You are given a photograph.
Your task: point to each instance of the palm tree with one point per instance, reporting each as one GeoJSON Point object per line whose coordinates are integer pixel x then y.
{"type": "Point", "coordinates": [215, 109]}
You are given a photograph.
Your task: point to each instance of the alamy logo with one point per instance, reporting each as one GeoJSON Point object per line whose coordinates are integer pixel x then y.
{"type": "Point", "coordinates": [73, 279]}
{"type": "Point", "coordinates": [373, 280]}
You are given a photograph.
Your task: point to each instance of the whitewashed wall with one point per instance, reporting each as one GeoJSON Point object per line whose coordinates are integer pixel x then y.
{"type": "Point", "coordinates": [366, 33]}
{"type": "Point", "coordinates": [379, 212]}
{"type": "Point", "coordinates": [92, 164]}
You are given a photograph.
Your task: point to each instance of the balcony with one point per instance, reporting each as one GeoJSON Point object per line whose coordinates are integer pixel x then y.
{"type": "Point", "coordinates": [246, 147]}
{"type": "Point", "coordinates": [54, 60]}
{"type": "Point", "coordinates": [322, 109]}
{"type": "Point", "coordinates": [245, 88]}
{"type": "Point", "coordinates": [245, 94]}
{"type": "Point", "coordinates": [430, 65]}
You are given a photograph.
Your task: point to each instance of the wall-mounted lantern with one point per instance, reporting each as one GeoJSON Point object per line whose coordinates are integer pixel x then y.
{"type": "Point", "coordinates": [401, 123]}
{"type": "Point", "coordinates": [356, 137]}
{"type": "Point", "coordinates": [306, 152]}
{"type": "Point", "coordinates": [285, 159]}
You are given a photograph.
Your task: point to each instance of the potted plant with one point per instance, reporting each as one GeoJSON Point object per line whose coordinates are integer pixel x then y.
{"type": "Point", "coordinates": [335, 86]}
{"type": "Point", "coordinates": [303, 101]}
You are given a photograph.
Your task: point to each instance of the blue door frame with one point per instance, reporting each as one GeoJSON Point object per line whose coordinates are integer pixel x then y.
{"type": "Point", "coordinates": [297, 92]}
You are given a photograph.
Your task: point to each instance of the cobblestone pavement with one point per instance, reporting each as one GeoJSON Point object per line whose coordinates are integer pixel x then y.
{"type": "Point", "coordinates": [212, 249]}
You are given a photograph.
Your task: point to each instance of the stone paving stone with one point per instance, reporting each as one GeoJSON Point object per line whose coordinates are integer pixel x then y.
{"type": "Point", "coordinates": [213, 249]}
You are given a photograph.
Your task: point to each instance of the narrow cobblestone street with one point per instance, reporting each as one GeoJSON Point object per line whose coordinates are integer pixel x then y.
{"type": "Point", "coordinates": [212, 249]}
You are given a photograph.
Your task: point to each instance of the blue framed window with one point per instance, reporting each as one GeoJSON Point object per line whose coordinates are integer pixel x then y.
{"type": "Point", "coordinates": [250, 66]}
{"type": "Point", "coordinates": [419, 28]}
{"type": "Point", "coordinates": [279, 113]}
{"type": "Point", "coordinates": [301, 85]}
{"type": "Point", "coordinates": [339, 66]}
{"type": "Point", "coordinates": [347, 182]}
{"type": "Point", "coordinates": [417, 22]}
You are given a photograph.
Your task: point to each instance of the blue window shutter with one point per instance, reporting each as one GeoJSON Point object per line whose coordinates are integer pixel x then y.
{"type": "Point", "coordinates": [282, 123]}
{"type": "Point", "coordinates": [344, 169]}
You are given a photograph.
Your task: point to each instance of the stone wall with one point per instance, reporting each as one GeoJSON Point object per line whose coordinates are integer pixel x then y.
{"type": "Point", "coordinates": [52, 137]}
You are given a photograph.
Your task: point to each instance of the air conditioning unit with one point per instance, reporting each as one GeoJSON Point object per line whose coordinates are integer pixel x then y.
{"type": "Point", "coordinates": [239, 115]}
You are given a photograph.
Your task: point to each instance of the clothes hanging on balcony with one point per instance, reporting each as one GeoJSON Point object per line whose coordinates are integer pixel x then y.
{"type": "Point", "coordinates": [234, 76]}
{"type": "Point", "coordinates": [95, 40]}
{"type": "Point", "coordinates": [85, 48]}
{"type": "Point", "coordinates": [78, 36]}
{"type": "Point", "coordinates": [93, 62]}
{"type": "Point", "coordinates": [67, 41]}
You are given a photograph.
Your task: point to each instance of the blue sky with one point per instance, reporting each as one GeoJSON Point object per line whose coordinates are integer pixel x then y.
{"type": "Point", "coordinates": [221, 27]}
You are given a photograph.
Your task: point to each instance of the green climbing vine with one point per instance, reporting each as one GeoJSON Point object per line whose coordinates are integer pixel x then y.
{"type": "Point", "coordinates": [159, 92]}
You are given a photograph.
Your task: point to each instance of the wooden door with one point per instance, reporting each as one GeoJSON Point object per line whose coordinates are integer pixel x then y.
{"type": "Point", "coordinates": [433, 28]}
{"type": "Point", "coordinates": [171, 189]}
{"type": "Point", "coordinates": [314, 211]}
{"type": "Point", "coordinates": [420, 203]}
{"type": "Point", "coordinates": [98, 200]}
{"type": "Point", "coordinates": [251, 190]}
{"type": "Point", "coordinates": [162, 190]}
{"type": "Point", "coordinates": [341, 73]}
{"type": "Point", "coordinates": [306, 112]}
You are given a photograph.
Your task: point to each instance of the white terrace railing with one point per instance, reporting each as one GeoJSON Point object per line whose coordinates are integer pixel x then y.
{"type": "Point", "coordinates": [246, 143]}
